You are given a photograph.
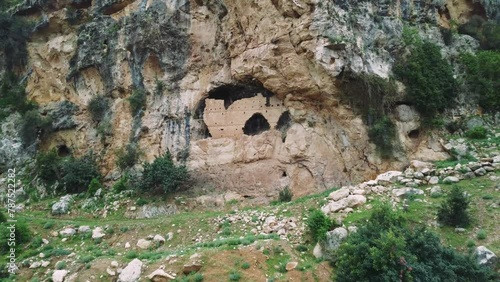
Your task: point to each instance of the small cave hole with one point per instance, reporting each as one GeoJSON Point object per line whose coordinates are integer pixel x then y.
{"type": "Point", "coordinates": [256, 124]}
{"type": "Point", "coordinates": [284, 123]}
{"type": "Point", "coordinates": [284, 174]}
{"type": "Point", "coordinates": [414, 134]}
{"type": "Point", "coordinates": [63, 151]}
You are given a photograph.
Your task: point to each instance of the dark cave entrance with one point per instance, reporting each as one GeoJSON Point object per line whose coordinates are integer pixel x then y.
{"type": "Point", "coordinates": [63, 151]}
{"type": "Point", "coordinates": [284, 123]}
{"type": "Point", "coordinates": [256, 124]}
{"type": "Point", "coordinates": [234, 92]}
{"type": "Point", "coordinates": [414, 134]}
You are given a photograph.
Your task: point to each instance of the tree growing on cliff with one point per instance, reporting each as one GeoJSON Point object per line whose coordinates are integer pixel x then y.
{"type": "Point", "coordinates": [163, 175]}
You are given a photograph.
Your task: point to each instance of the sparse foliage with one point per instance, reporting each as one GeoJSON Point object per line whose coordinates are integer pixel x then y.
{"type": "Point", "coordinates": [454, 210]}
{"type": "Point", "coordinates": [318, 224]}
{"type": "Point", "coordinates": [164, 175]}
{"type": "Point", "coordinates": [285, 195]}
{"type": "Point", "coordinates": [137, 101]}
{"type": "Point", "coordinates": [98, 107]}
{"type": "Point", "coordinates": [127, 157]}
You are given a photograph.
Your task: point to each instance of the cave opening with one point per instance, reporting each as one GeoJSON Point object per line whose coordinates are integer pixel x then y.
{"type": "Point", "coordinates": [231, 93]}
{"type": "Point", "coordinates": [414, 134]}
{"type": "Point", "coordinates": [284, 123]}
{"type": "Point", "coordinates": [63, 151]}
{"type": "Point", "coordinates": [256, 124]}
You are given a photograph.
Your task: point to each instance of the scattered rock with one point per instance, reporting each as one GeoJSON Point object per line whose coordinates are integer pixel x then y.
{"type": "Point", "coordinates": [420, 165]}
{"type": "Point", "coordinates": [36, 264]}
{"type": "Point", "coordinates": [114, 264]}
{"type": "Point", "coordinates": [144, 244]}
{"type": "Point", "coordinates": [158, 238]}
{"type": "Point", "coordinates": [480, 172]}
{"type": "Point", "coordinates": [160, 275]}
{"type": "Point", "coordinates": [127, 245]}
{"type": "Point", "coordinates": [334, 238]}
{"type": "Point", "coordinates": [291, 265]}
{"type": "Point", "coordinates": [354, 201]}
{"type": "Point", "coordinates": [45, 263]}
{"type": "Point", "coordinates": [66, 232]}
{"type": "Point", "coordinates": [132, 272]}
{"type": "Point", "coordinates": [485, 256]}
{"type": "Point", "coordinates": [433, 180]}
{"type": "Point", "coordinates": [84, 229]}
{"type": "Point", "coordinates": [339, 194]}
{"type": "Point", "coordinates": [451, 179]}
{"type": "Point", "coordinates": [62, 206]}
{"type": "Point", "coordinates": [317, 252]}
{"type": "Point", "coordinates": [436, 191]}
{"type": "Point", "coordinates": [170, 236]}
{"type": "Point", "coordinates": [388, 177]}
{"type": "Point", "coordinates": [58, 275]}
{"type": "Point", "coordinates": [407, 191]}
{"type": "Point", "coordinates": [110, 272]}
{"type": "Point", "coordinates": [460, 230]}
{"type": "Point", "coordinates": [193, 266]}
{"type": "Point", "coordinates": [97, 233]}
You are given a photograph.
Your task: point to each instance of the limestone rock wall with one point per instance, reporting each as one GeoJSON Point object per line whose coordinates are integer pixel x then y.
{"type": "Point", "coordinates": [180, 50]}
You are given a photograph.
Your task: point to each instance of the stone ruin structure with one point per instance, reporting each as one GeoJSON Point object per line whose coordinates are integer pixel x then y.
{"type": "Point", "coordinates": [248, 116]}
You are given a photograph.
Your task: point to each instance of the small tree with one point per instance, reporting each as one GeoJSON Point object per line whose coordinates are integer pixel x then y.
{"type": "Point", "coordinates": [33, 126]}
{"type": "Point", "coordinates": [318, 224]}
{"type": "Point", "coordinates": [98, 106]}
{"type": "Point", "coordinates": [164, 175]}
{"type": "Point", "coordinates": [285, 195]}
{"type": "Point", "coordinates": [79, 172]}
{"type": "Point", "coordinates": [48, 166]}
{"type": "Point", "coordinates": [137, 101]}
{"type": "Point", "coordinates": [453, 211]}
{"type": "Point", "coordinates": [127, 157]}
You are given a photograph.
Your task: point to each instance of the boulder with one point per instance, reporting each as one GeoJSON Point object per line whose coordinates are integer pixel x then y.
{"type": "Point", "coordinates": [451, 179]}
{"type": "Point", "coordinates": [160, 275]}
{"type": "Point", "coordinates": [144, 244]}
{"type": "Point", "coordinates": [317, 252]}
{"type": "Point", "coordinates": [334, 206]}
{"type": "Point", "coordinates": [132, 272]}
{"type": "Point", "coordinates": [84, 229]}
{"type": "Point", "coordinates": [436, 191]}
{"type": "Point", "coordinates": [485, 256]}
{"type": "Point", "coordinates": [434, 180]}
{"type": "Point", "coordinates": [407, 191]}
{"type": "Point", "coordinates": [66, 232]}
{"type": "Point", "coordinates": [388, 177]}
{"type": "Point", "coordinates": [354, 201]}
{"type": "Point", "coordinates": [334, 238]}
{"type": "Point", "coordinates": [97, 233]}
{"type": "Point", "coordinates": [339, 194]}
{"type": "Point", "coordinates": [36, 264]}
{"type": "Point", "coordinates": [291, 265]}
{"type": "Point", "coordinates": [58, 275]}
{"type": "Point", "coordinates": [62, 206]}
{"type": "Point", "coordinates": [480, 172]}
{"type": "Point", "coordinates": [158, 238]}
{"type": "Point", "coordinates": [193, 266]}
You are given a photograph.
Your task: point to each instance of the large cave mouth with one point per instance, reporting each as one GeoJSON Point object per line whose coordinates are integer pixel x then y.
{"type": "Point", "coordinates": [256, 124]}
{"type": "Point", "coordinates": [234, 92]}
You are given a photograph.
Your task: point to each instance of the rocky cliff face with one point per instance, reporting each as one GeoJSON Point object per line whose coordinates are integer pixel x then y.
{"type": "Point", "coordinates": [183, 52]}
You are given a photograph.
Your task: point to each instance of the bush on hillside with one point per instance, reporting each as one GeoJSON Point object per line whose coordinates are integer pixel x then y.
{"type": "Point", "coordinates": [164, 175]}
{"type": "Point", "coordinates": [386, 249]}
{"type": "Point", "coordinates": [428, 77]}
{"type": "Point", "coordinates": [478, 132]}
{"type": "Point", "coordinates": [137, 101]}
{"type": "Point", "coordinates": [94, 185]}
{"type": "Point", "coordinates": [34, 126]}
{"type": "Point", "coordinates": [14, 34]}
{"type": "Point", "coordinates": [98, 106]}
{"type": "Point", "coordinates": [48, 166]}
{"type": "Point", "coordinates": [79, 172]}
{"type": "Point", "coordinates": [13, 96]}
{"type": "Point", "coordinates": [318, 224]}
{"type": "Point", "coordinates": [127, 157]}
{"type": "Point", "coordinates": [454, 210]}
{"type": "Point", "coordinates": [486, 32]}
{"type": "Point", "coordinates": [482, 73]}
{"type": "Point", "coordinates": [382, 132]}
{"type": "Point", "coordinates": [285, 195]}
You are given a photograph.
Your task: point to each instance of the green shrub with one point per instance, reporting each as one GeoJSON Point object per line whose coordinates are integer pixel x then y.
{"type": "Point", "coordinates": [285, 195]}
{"type": "Point", "coordinates": [127, 157]}
{"type": "Point", "coordinates": [481, 235]}
{"type": "Point", "coordinates": [478, 132]}
{"type": "Point", "coordinates": [3, 218]}
{"type": "Point", "coordinates": [453, 211]}
{"type": "Point", "coordinates": [86, 259]}
{"type": "Point", "coordinates": [386, 249]}
{"type": "Point", "coordinates": [245, 265]}
{"type": "Point", "coordinates": [48, 225]}
{"type": "Point", "coordinates": [22, 234]}
{"type": "Point", "coordinates": [160, 87]}
{"type": "Point", "coordinates": [13, 96]}
{"type": "Point", "coordinates": [33, 126]}
{"type": "Point", "coordinates": [98, 107]}
{"type": "Point", "coordinates": [137, 101]}
{"type": "Point", "coordinates": [141, 202]}
{"type": "Point", "coordinates": [198, 277]}
{"type": "Point", "coordinates": [48, 166]}
{"type": "Point", "coordinates": [60, 265]}
{"type": "Point", "coordinates": [79, 172]}
{"type": "Point", "coordinates": [318, 224]}
{"type": "Point", "coordinates": [482, 72]}
{"type": "Point", "coordinates": [122, 184]}
{"type": "Point", "coordinates": [131, 255]}
{"type": "Point", "coordinates": [382, 133]}
{"type": "Point", "coordinates": [428, 77]}
{"type": "Point", "coordinates": [94, 185]}
{"type": "Point", "coordinates": [234, 275]}
{"type": "Point", "coordinates": [164, 175]}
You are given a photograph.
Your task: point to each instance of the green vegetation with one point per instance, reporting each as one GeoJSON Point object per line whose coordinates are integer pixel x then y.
{"type": "Point", "coordinates": [127, 157]}
{"type": "Point", "coordinates": [478, 132]}
{"type": "Point", "coordinates": [454, 210]}
{"type": "Point", "coordinates": [122, 184]}
{"type": "Point", "coordinates": [245, 265]}
{"type": "Point", "coordinates": [481, 235]}
{"type": "Point", "coordinates": [94, 185]}
{"type": "Point", "coordinates": [79, 172]}
{"type": "Point", "coordinates": [48, 166]}
{"type": "Point", "coordinates": [137, 101]}
{"type": "Point", "coordinates": [34, 126]}
{"type": "Point", "coordinates": [164, 175]}
{"type": "Point", "coordinates": [61, 265]}
{"type": "Point", "coordinates": [385, 248]}
{"type": "Point", "coordinates": [234, 275]}
{"type": "Point", "coordinates": [98, 107]}
{"type": "Point", "coordinates": [428, 77]}
{"type": "Point", "coordinates": [487, 32]}
{"type": "Point", "coordinates": [482, 73]}
{"type": "Point", "coordinates": [160, 87]}
{"type": "Point", "coordinates": [13, 97]}
{"type": "Point", "coordinates": [373, 97]}
{"type": "Point", "coordinates": [318, 224]}
{"type": "Point", "coordinates": [285, 195]}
